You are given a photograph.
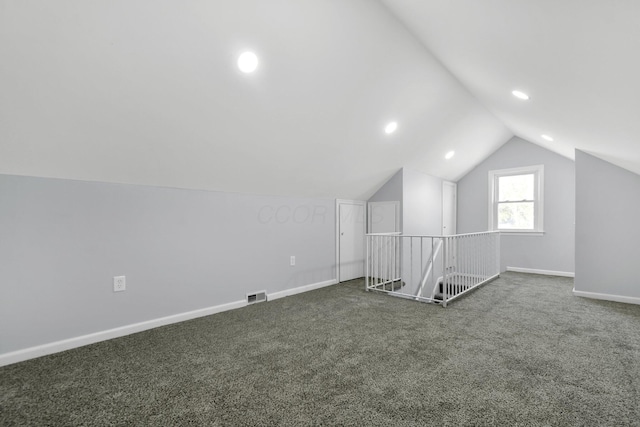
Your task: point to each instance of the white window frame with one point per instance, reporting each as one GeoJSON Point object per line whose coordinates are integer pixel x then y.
{"type": "Point", "coordinates": [538, 202]}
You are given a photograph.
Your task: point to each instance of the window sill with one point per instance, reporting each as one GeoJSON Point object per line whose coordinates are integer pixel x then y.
{"type": "Point", "coordinates": [522, 233]}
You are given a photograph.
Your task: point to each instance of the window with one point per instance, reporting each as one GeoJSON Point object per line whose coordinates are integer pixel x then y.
{"type": "Point", "coordinates": [515, 200]}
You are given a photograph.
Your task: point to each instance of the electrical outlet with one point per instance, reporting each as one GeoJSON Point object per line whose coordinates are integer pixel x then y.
{"type": "Point", "coordinates": [119, 284]}
{"type": "Point", "coordinates": [293, 260]}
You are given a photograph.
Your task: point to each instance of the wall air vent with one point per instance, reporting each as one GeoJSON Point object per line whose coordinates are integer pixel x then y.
{"type": "Point", "coordinates": [257, 297]}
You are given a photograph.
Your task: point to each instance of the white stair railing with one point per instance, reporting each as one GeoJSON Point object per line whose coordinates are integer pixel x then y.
{"type": "Point", "coordinates": [448, 266]}
{"type": "Point", "coordinates": [383, 258]}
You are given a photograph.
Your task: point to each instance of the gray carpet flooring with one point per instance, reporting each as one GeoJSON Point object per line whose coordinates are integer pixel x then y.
{"type": "Point", "coordinates": [520, 351]}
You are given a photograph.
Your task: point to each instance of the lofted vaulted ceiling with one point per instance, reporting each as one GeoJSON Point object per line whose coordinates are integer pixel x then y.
{"type": "Point", "coordinates": [579, 60]}
{"type": "Point", "coordinates": [148, 91]}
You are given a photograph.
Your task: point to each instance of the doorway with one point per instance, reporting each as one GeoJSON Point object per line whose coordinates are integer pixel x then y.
{"type": "Point", "coordinates": [384, 217]}
{"type": "Point", "coordinates": [449, 203]}
{"type": "Point", "coordinates": [350, 215]}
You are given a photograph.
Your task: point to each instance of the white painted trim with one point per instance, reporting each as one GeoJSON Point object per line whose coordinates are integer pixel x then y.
{"type": "Point", "coordinates": [300, 289]}
{"type": "Point", "coordinates": [364, 228]}
{"type": "Point", "coordinates": [522, 233]}
{"type": "Point", "coordinates": [455, 207]}
{"type": "Point", "coordinates": [607, 297]}
{"type": "Point", "coordinates": [68, 344]}
{"type": "Point", "coordinates": [538, 171]}
{"type": "Point", "coordinates": [544, 272]}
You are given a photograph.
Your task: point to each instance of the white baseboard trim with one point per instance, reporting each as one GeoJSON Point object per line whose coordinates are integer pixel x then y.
{"type": "Point", "coordinates": [68, 344]}
{"type": "Point", "coordinates": [300, 289]}
{"type": "Point", "coordinates": [544, 272]}
{"type": "Point", "coordinates": [607, 297]}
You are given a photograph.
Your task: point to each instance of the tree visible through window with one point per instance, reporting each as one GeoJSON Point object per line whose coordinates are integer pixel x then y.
{"type": "Point", "coordinates": [516, 199]}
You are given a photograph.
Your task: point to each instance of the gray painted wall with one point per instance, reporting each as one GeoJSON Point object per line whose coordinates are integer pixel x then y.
{"type": "Point", "coordinates": [553, 251]}
{"type": "Point", "coordinates": [62, 241]}
{"type": "Point", "coordinates": [607, 228]}
{"type": "Point", "coordinates": [391, 191]}
{"type": "Point", "coordinates": [422, 203]}
{"type": "Point", "coordinates": [420, 197]}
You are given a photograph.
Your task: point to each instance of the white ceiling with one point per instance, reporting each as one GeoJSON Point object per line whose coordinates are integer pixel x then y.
{"type": "Point", "coordinates": [148, 92]}
{"type": "Point", "coordinates": [579, 60]}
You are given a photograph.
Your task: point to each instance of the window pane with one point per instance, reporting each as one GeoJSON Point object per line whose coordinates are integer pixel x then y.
{"type": "Point", "coordinates": [515, 188]}
{"type": "Point", "coordinates": [515, 216]}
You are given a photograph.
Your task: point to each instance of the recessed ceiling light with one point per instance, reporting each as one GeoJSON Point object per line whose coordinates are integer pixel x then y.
{"type": "Point", "coordinates": [391, 128]}
{"type": "Point", "coordinates": [248, 62]}
{"type": "Point", "coordinates": [519, 94]}
{"type": "Point", "coordinates": [449, 155]}
{"type": "Point", "coordinates": [547, 137]}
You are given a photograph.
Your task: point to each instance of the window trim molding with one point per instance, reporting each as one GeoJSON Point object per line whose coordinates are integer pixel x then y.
{"type": "Point", "coordinates": [538, 171]}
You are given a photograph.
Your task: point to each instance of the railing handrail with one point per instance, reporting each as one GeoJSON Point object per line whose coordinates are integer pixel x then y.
{"type": "Point", "coordinates": [465, 261]}
{"type": "Point", "coordinates": [400, 234]}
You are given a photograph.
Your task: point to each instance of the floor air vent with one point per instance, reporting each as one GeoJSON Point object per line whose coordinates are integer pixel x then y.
{"type": "Point", "coordinates": [257, 297]}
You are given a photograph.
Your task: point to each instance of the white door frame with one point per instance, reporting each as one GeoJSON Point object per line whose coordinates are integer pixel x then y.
{"type": "Point", "coordinates": [364, 229]}
{"type": "Point", "coordinates": [454, 186]}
